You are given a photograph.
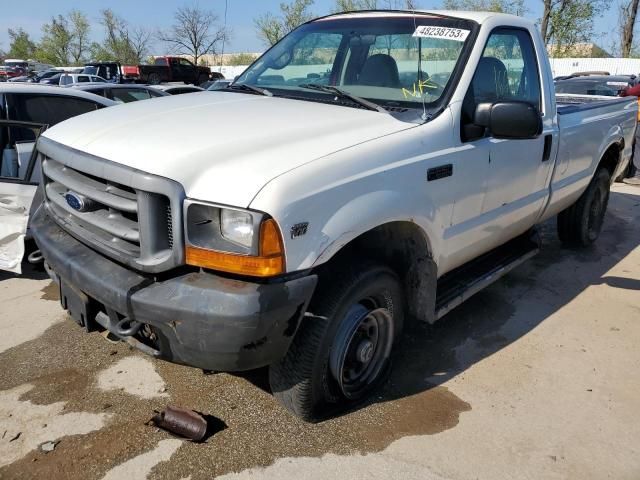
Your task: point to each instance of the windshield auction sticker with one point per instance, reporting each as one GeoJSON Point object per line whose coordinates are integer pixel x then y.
{"type": "Point", "coordinates": [444, 33]}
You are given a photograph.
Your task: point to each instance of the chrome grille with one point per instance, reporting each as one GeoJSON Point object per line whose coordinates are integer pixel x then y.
{"type": "Point", "coordinates": [132, 224]}
{"type": "Point", "coordinates": [169, 226]}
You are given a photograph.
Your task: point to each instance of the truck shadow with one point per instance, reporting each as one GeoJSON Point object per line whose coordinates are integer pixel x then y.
{"type": "Point", "coordinates": [430, 355]}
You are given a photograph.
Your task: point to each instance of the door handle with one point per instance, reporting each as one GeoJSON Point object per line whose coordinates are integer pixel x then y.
{"type": "Point", "coordinates": [546, 153]}
{"type": "Point", "coordinates": [442, 171]}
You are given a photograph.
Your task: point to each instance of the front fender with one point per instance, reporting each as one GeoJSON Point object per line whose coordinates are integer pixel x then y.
{"type": "Point", "coordinates": [371, 210]}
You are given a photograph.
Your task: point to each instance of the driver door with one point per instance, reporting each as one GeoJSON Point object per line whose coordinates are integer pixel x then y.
{"type": "Point", "coordinates": [519, 170]}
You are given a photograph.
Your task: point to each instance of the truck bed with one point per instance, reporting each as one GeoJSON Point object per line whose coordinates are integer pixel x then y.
{"type": "Point", "coordinates": [588, 125]}
{"type": "Point", "coordinates": [569, 103]}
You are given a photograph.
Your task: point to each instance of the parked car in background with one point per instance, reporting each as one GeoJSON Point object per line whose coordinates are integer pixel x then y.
{"type": "Point", "coordinates": [25, 111]}
{"type": "Point", "coordinates": [121, 93]}
{"type": "Point", "coordinates": [110, 71]}
{"type": "Point", "coordinates": [10, 72]}
{"type": "Point", "coordinates": [594, 84]}
{"type": "Point", "coordinates": [27, 65]}
{"type": "Point", "coordinates": [64, 78]}
{"type": "Point", "coordinates": [167, 69]}
{"type": "Point", "coordinates": [214, 77]}
{"type": "Point", "coordinates": [36, 77]}
{"type": "Point", "coordinates": [304, 229]}
{"type": "Point", "coordinates": [220, 84]}
{"type": "Point", "coordinates": [42, 105]}
{"type": "Point", "coordinates": [177, 89]}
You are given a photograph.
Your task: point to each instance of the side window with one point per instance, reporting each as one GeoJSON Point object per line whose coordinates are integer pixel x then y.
{"type": "Point", "coordinates": [126, 95]}
{"type": "Point", "coordinates": [155, 93]}
{"type": "Point", "coordinates": [83, 79]}
{"type": "Point", "coordinates": [97, 91]}
{"type": "Point", "coordinates": [508, 70]}
{"type": "Point", "coordinates": [47, 109]}
{"type": "Point", "coordinates": [66, 80]}
{"type": "Point", "coordinates": [185, 63]}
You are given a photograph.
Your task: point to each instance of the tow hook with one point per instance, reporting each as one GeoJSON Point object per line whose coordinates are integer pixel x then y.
{"type": "Point", "coordinates": [133, 327]}
{"type": "Point", "coordinates": [35, 257]}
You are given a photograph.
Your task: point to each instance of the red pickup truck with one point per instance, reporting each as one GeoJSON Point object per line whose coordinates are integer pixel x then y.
{"type": "Point", "coordinates": [167, 69]}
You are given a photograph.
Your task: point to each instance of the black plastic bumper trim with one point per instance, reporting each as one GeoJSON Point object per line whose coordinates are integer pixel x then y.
{"type": "Point", "coordinates": [202, 319]}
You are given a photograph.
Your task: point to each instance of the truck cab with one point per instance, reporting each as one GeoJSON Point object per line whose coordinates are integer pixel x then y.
{"type": "Point", "coordinates": [373, 169]}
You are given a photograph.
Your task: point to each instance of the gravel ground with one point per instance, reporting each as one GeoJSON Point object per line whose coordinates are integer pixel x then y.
{"type": "Point", "coordinates": [535, 377]}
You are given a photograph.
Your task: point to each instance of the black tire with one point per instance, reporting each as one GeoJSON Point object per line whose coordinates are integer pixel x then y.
{"type": "Point", "coordinates": [303, 381]}
{"type": "Point", "coordinates": [581, 223]}
{"type": "Point", "coordinates": [629, 171]}
{"type": "Point", "coordinates": [154, 79]}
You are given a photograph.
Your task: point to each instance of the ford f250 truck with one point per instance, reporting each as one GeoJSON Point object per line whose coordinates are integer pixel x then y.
{"type": "Point", "coordinates": [373, 169]}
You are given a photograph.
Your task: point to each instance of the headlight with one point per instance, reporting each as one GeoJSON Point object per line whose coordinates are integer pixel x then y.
{"type": "Point", "coordinates": [237, 226]}
{"type": "Point", "coordinates": [232, 240]}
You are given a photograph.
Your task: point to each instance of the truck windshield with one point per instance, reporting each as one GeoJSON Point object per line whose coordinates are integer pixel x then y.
{"type": "Point", "coordinates": [391, 59]}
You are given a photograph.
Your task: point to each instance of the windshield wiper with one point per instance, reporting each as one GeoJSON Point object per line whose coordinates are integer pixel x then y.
{"type": "Point", "coordinates": [250, 88]}
{"type": "Point", "coordinates": [341, 93]}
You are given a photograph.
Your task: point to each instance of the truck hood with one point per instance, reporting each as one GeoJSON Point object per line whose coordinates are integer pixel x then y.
{"type": "Point", "coordinates": [221, 146]}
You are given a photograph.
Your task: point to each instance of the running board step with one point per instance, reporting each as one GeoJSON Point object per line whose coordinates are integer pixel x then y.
{"type": "Point", "coordinates": [462, 283]}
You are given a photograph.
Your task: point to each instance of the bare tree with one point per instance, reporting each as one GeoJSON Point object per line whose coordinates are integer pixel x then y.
{"type": "Point", "coordinates": [627, 12]}
{"type": "Point", "coordinates": [271, 28]}
{"type": "Point", "coordinates": [195, 32]}
{"type": "Point", "coordinates": [117, 43]}
{"type": "Point", "coordinates": [139, 39]}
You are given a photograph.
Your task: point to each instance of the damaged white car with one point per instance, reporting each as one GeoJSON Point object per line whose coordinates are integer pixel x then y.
{"type": "Point", "coordinates": [25, 111]}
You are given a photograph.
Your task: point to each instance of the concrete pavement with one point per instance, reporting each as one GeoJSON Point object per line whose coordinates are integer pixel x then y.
{"type": "Point", "coordinates": [536, 377]}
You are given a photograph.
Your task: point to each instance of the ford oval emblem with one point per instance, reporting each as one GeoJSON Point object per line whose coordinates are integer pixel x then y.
{"type": "Point", "coordinates": [75, 201]}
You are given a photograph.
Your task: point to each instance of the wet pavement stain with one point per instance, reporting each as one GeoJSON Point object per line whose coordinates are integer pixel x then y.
{"type": "Point", "coordinates": [51, 292]}
{"type": "Point", "coordinates": [63, 365]}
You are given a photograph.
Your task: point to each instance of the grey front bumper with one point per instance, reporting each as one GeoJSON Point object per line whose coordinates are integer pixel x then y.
{"type": "Point", "coordinates": [201, 319]}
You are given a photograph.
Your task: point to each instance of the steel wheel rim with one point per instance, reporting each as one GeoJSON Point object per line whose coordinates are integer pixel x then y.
{"type": "Point", "coordinates": [362, 348]}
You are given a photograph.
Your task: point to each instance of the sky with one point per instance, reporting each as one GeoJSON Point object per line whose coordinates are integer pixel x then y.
{"type": "Point", "coordinates": [155, 14]}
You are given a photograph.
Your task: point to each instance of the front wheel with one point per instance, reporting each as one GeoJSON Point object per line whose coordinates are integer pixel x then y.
{"type": "Point", "coordinates": [342, 349]}
{"type": "Point", "coordinates": [581, 223]}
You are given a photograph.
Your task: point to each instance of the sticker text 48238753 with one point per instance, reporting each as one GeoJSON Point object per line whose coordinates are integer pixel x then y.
{"type": "Point", "coordinates": [443, 33]}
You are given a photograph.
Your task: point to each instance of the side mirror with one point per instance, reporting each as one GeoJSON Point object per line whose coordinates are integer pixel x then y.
{"type": "Point", "coordinates": [510, 120]}
{"type": "Point", "coordinates": [282, 61]}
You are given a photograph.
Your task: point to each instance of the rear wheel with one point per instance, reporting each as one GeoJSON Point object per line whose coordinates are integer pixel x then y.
{"type": "Point", "coordinates": [154, 79]}
{"type": "Point", "coordinates": [342, 349]}
{"type": "Point", "coordinates": [581, 223]}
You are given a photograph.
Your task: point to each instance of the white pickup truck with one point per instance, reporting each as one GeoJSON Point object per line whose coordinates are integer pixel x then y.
{"type": "Point", "coordinates": [369, 170]}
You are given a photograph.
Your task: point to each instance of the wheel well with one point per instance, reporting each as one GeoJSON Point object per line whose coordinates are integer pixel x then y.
{"type": "Point", "coordinates": [611, 158]}
{"type": "Point", "coordinates": [404, 247]}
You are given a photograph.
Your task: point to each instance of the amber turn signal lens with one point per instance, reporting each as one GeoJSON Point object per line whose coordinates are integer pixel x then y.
{"type": "Point", "coordinates": [270, 261]}
{"type": "Point", "coordinates": [638, 109]}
